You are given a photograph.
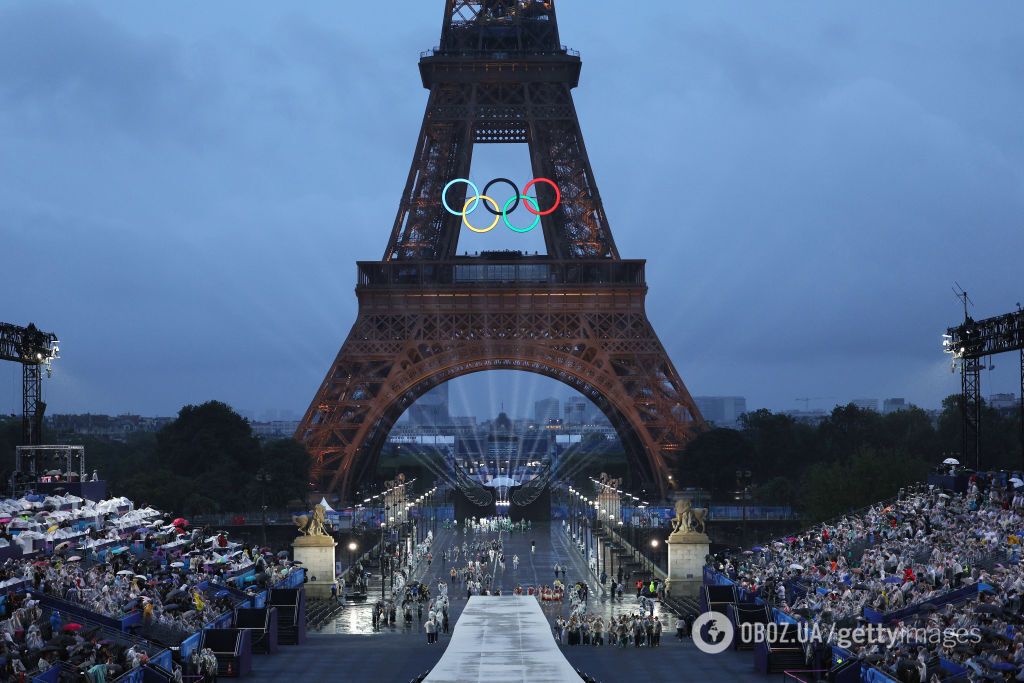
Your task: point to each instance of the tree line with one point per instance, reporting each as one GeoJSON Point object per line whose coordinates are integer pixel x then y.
{"type": "Point", "coordinates": [205, 461]}
{"type": "Point", "coordinates": [850, 459]}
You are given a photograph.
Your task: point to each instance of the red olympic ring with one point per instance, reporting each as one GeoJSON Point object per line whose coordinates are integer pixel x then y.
{"type": "Point", "coordinates": [558, 196]}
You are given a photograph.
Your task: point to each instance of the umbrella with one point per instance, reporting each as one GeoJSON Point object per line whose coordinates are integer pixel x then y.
{"type": "Point", "coordinates": [140, 576]}
{"type": "Point", "coordinates": [180, 521]}
{"type": "Point", "coordinates": [757, 549]}
{"type": "Point", "coordinates": [72, 627]}
{"type": "Point", "coordinates": [63, 545]}
{"type": "Point", "coordinates": [892, 579]}
{"type": "Point", "coordinates": [950, 461]}
{"type": "Point", "coordinates": [125, 572]}
{"type": "Point", "coordinates": [221, 594]}
{"type": "Point", "coordinates": [1016, 480]}
{"type": "Point", "coordinates": [796, 566]}
{"type": "Point", "coordinates": [943, 495]}
{"type": "Point", "coordinates": [177, 564]}
{"type": "Point", "coordinates": [1018, 484]}
{"type": "Point", "coordinates": [39, 563]}
{"type": "Point", "coordinates": [75, 558]}
{"type": "Point", "coordinates": [283, 553]}
{"type": "Point", "coordinates": [748, 552]}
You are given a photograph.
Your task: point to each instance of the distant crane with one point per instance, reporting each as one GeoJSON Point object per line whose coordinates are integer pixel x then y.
{"type": "Point", "coordinates": [807, 400]}
{"type": "Point", "coordinates": [35, 350]}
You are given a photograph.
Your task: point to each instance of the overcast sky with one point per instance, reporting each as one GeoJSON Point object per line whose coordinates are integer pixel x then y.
{"type": "Point", "coordinates": [185, 187]}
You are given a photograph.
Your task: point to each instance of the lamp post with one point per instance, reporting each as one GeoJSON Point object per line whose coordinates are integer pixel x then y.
{"type": "Point", "coordinates": [263, 477]}
{"type": "Point", "coordinates": [382, 568]}
{"type": "Point", "coordinates": [391, 520]}
{"type": "Point", "coordinates": [654, 549]}
{"type": "Point", "coordinates": [351, 549]}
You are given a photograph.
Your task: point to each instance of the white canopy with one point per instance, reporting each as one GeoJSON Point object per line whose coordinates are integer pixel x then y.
{"type": "Point", "coordinates": [325, 505]}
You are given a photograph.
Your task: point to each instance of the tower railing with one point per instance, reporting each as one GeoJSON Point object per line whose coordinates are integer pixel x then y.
{"type": "Point", "coordinates": [477, 272]}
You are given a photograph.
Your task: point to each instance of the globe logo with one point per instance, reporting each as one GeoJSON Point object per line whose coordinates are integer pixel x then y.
{"type": "Point", "coordinates": [712, 633]}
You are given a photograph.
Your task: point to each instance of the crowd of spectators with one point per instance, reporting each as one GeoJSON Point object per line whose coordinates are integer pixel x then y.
{"type": "Point", "coordinates": [113, 561]}
{"type": "Point", "coordinates": [900, 561]}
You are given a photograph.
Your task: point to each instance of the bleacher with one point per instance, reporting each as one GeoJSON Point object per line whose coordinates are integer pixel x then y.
{"type": "Point", "coordinates": [747, 613]}
{"type": "Point", "coordinates": [233, 649]}
{"type": "Point", "coordinates": [321, 612]}
{"type": "Point", "coordinates": [291, 614]}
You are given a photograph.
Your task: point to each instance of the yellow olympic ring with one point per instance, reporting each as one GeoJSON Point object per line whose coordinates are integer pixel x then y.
{"type": "Point", "coordinates": [497, 210]}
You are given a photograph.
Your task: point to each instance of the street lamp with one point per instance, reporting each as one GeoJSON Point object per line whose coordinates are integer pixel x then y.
{"type": "Point", "coordinates": [654, 549]}
{"type": "Point", "coordinates": [263, 477]}
{"type": "Point", "coordinates": [381, 556]}
{"type": "Point", "coordinates": [351, 549]}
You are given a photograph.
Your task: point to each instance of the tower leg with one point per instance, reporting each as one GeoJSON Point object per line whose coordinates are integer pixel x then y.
{"type": "Point", "coordinates": [970, 381]}
{"type": "Point", "coordinates": [32, 406]}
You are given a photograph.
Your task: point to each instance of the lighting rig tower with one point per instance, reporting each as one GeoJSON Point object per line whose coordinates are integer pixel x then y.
{"type": "Point", "coordinates": [35, 350]}
{"type": "Point", "coordinates": [970, 343]}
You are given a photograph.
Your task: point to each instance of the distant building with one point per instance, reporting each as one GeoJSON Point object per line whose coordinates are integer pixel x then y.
{"type": "Point", "coordinates": [431, 408]}
{"type": "Point", "coordinates": [575, 410]}
{"type": "Point", "coordinates": [113, 427]}
{"type": "Point", "coordinates": [893, 405]}
{"type": "Point", "coordinates": [723, 411]}
{"type": "Point", "coordinates": [546, 409]}
{"type": "Point", "coordinates": [1003, 401]}
{"type": "Point", "coordinates": [866, 403]}
{"type": "Point", "coordinates": [275, 429]}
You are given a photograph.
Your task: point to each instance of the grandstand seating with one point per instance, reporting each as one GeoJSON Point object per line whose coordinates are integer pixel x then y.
{"type": "Point", "coordinates": [291, 614]}
{"type": "Point", "coordinates": [320, 612]}
{"type": "Point", "coordinates": [746, 613]}
{"type": "Point", "coordinates": [233, 649]}
{"type": "Point", "coordinates": [262, 622]}
{"type": "Point", "coordinates": [718, 598]}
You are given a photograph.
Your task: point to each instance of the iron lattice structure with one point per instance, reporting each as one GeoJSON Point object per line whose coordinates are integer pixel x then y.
{"type": "Point", "coordinates": [35, 350]}
{"type": "Point", "coordinates": [969, 343]}
{"type": "Point", "coordinates": [427, 316]}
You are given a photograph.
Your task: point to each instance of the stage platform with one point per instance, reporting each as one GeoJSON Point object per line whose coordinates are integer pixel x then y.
{"type": "Point", "coordinates": [502, 639]}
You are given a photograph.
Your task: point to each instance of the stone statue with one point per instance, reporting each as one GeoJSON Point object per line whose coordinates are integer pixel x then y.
{"type": "Point", "coordinates": [688, 518]}
{"type": "Point", "coordinates": [312, 525]}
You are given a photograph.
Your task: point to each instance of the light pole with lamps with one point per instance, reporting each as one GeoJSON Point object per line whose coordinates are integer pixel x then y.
{"type": "Point", "coordinates": [654, 549]}
{"type": "Point", "coordinates": [263, 477]}
{"type": "Point", "coordinates": [383, 525]}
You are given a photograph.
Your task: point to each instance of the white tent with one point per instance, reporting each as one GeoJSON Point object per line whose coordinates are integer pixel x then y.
{"type": "Point", "coordinates": [325, 505]}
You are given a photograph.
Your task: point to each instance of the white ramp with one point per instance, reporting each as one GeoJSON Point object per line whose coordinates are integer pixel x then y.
{"type": "Point", "coordinates": [502, 639]}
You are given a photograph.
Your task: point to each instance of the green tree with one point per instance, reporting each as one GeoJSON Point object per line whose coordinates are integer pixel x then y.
{"type": "Point", "coordinates": [287, 461]}
{"type": "Point", "coordinates": [711, 460]}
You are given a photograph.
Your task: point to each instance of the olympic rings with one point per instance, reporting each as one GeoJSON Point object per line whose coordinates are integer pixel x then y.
{"type": "Point", "coordinates": [558, 196]}
{"type": "Point", "coordinates": [515, 193]}
{"type": "Point", "coordinates": [476, 198]}
{"type": "Point", "coordinates": [444, 195]}
{"type": "Point", "coordinates": [528, 200]}
{"type": "Point", "coordinates": [532, 203]}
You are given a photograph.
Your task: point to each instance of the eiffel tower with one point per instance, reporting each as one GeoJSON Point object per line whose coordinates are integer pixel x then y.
{"type": "Point", "coordinates": [427, 315]}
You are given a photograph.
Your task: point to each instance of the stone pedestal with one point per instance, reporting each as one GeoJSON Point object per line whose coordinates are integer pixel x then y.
{"type": "Point", "coordinates": [686, 553]}
{"type": "Point", "coordinates": [316, 553]}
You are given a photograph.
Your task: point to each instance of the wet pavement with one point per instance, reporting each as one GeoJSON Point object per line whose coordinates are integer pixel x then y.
{"type": "Point", "coordinates": [348, 649]}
